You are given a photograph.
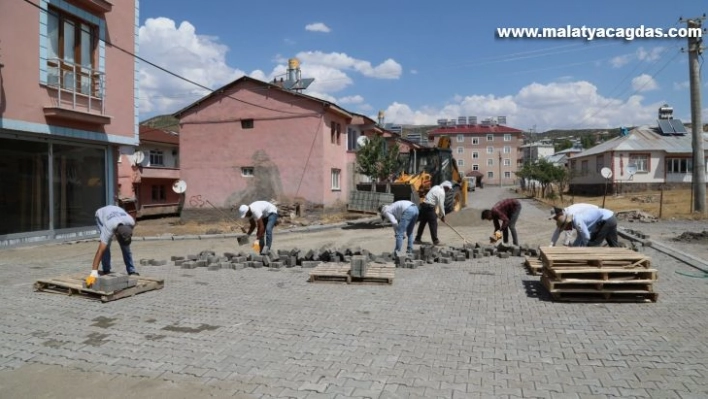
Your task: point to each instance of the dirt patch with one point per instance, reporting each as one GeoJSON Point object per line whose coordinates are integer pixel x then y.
{"type": "Point", "coordinates": [692, 237]}
{"type": "Point", "coordinates": [200, 328]}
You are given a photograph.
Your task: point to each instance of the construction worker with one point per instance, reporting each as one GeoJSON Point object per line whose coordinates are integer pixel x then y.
{"type": "Point", "coordinates": [507, 211]}
{"type": "Point", "coordinates": [262, 215]}
{"type": "Point", "coordinates": [435, 199]}
{"type": "Point", "coordinates": [403, 215]}
{"type": "Point", "coordinates": [570, 210]}
{"type": "Point", "coordinates": [592, 226]}
{"type": "Point", "coordinates": [112, 221]}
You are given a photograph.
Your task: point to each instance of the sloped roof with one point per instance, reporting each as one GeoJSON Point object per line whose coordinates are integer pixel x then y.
{"type": "Point", "coordinates": [220, 92]}
{"type": "Point", "coordinates": [645, 138]}
{"type": "Point", "coordinates": [156, 135]}
{"type": "Point", "coordinates": [476, 129]}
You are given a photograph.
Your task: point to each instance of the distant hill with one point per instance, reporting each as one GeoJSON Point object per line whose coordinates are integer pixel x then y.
{"type": "Point", "coordinates": [165, 122]}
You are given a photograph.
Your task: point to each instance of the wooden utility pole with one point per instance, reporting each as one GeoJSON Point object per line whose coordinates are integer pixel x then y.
{"type": "Point", "coordinates": [695, 49]}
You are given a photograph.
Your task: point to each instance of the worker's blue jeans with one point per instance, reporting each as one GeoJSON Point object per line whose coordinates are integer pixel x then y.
{"type": "Point", "coordinates": [269, 224]}
{"type": "Point", "coordinates": [405, 226]}
{"type": "Point", "coordinates": [127, 258]}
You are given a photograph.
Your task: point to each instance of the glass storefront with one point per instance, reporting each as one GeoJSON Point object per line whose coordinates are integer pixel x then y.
{"type": "Point", "coordinates": [77, 184]}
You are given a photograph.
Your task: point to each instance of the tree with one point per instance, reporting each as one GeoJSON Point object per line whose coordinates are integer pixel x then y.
{"type": "Point", "coordinates": [587, 141]}
{"type": "Point", "coordinates": [563, 145]}
{"type": "Point", "coordinates": [377, 161]}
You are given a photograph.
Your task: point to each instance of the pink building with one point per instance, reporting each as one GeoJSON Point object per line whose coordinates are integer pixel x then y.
{"type": "Point", "coordinates": [487, 150]}
{"type": "Point", "coordinates": [251, 140]}
{"type": "Point", "coordinates": [68, 106]}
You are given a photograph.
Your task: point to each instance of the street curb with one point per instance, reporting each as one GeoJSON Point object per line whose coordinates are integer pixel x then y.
{"type": "Point", "coordinates": [690, 260]}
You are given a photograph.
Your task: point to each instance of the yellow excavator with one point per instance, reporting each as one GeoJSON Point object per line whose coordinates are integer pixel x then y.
{"type": "Point", "coordinates": [428, 167]}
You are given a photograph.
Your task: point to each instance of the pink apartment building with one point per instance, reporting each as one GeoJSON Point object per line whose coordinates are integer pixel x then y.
{"type": "Point", "coordinates": [252, 140]}
{"type": "Point", "coordinates": [488, 148]}
{"type": "Point", "coordinates": [68, 108]}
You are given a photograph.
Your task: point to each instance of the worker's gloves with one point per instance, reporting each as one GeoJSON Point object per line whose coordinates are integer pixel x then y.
{"type": "Point", "coordinates": [443, 219]}
{"type": "Point", "coordinates": [91, 279]}
{"type": "Point", "coordinates": [495, 237]}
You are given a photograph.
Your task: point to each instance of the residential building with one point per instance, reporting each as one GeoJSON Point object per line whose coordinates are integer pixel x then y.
{"type": "Point", "coordinates": [535, 151]}
{"type": "Point", "coordinates": [561, 157]}
{"type": "Point", "coordinates": [489, 148]}
{"type": "Point", "coordinates": [646, 158]}
{"type": "Point", "coordinates": [68, 107]}
{"type": "Point", "coordinates": [252, 140]}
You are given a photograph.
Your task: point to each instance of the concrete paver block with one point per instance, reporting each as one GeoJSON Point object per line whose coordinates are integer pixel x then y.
{"type": "Point", "coordinates": [201, 263]}
{"type": "Point", "coordinates": [179, 262]}
{"type": "Point", "coordinates": [174, 258]}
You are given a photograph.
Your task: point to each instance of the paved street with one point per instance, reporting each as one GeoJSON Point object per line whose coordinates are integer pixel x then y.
{"type": "Point", "coordinates": [479, 328]}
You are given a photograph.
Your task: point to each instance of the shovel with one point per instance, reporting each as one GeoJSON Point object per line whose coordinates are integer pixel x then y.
{"type": "Point", "coordinates": [242, 240]}
{"type": "Point", "coordinates": [457, 232]}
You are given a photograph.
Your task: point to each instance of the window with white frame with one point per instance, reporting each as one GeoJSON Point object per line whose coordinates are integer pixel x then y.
{"type": "Point", "coordinates": [247, 171]}
{"type": "Point", "coordinates": [641, 161]}
{"type": "Point", "coordinates": [475, 167]}
{"type": "Point", "coordinates": [490, 150]}
{"type": "Point", "coordinates": [460, 150]}
{"type": "Point", "coordinates": [475, 155]}
{"type": "Point", "coordinates": [335, 179]}
{"type": "Point", "coordinates": [507, 149]}
{"type": "Point", "coordinates": [490, 137]}
{"type": "Point", "coordinates": [507, 161]}
{"type": "Point", "coordinates": [679, 165]}
{"type": "Point", "coordinates": [490, 162]}
{"type": "Point", "coordinates": [507, 175]}
{"type": "Point", "coordinates": [460, 138]}
{"type": "Point", "coordinates": [507, 137]}
{"type": "Point", "coordinates": [460, 162]}
{"type": "Point", "coordinates": [157, 158]}
{"type": "Point", "coordinates": [475, 140]}
{"type": "Point", "coordinates": [490, 175]}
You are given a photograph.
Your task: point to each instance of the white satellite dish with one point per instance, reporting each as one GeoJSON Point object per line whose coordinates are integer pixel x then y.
{"type": "Point", "coordinates": [606, 172]}
{"type": "Point", "coordinates": [138, 157]}
{"type": "Point", "coordinates": [631, 169]}
{"type": "Point", "coordinates": [179, 186]}
{"type": "Point", "coordinates": [362, 141]}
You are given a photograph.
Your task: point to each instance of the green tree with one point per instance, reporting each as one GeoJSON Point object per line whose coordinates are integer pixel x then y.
{"type": "Point", "coordinates": [562, 145]}
{"type": "Point", "coordinates": [587, 141]}
{"type": "Point", "coordinates": [377, 159]}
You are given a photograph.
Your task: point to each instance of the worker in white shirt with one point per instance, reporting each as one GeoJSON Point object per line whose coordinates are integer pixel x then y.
{"type": "Point", "coordinates": [435, 199]}
{"type": "Point", "coordinates": [262, 216]}
{"type": "Point", "coordinates": [403, 215]}
{"type": "Point", "coordinates": [559, 213]}
{"type": "Point", "coordinates": [593, 226]}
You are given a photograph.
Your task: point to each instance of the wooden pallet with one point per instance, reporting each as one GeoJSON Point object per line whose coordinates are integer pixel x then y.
{"type": "Point", "coordinates": [603, 274]}
{"type": "Point", "coordinates": [533, 265]}
{"type": "Point", "coordinates": [605, 296]}
{"type": "Point", "coordinates": [339, 273]}
{"type": "Point", "coordinates": [597, 257]}
{"type": "Point", "coordinates": [73, 285]}
{"type": "Point", "coordinates": [580, 290]}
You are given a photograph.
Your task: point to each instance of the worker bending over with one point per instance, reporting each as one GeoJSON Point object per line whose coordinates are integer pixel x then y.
{"type": "Point", "coordinates": [262, 217]}
{"type": "Point", "coordinates": [570, 210]}
{"type": "Point", "coordinates": [507, 211]}
{"type": "Point", "coordinates": [403, 215]}
{"type": "Point", "coordinates": [112, 221]}
{"type": "Point", "coordinates": [593, 226]}
{"type": "Point", "coordinates": [435, 199]}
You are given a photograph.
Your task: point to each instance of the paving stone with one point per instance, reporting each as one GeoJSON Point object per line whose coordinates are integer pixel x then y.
{"type": "Point", "coordinates": [214, 266]}
{"type": "Point", "coordinates": [189, 265]}
{"type": "Point", "coordinates": [155, 262]}
{"type": "Point", "coordinates": [201, 263]}
{"type": "Point", "coordinates": [179, 262]}
{"type": "Point", "coordinates": [175, 257]}
{"type": "Point", "coordinates": [238, 266]}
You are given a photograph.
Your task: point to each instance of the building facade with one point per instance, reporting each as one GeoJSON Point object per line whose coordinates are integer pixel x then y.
{"type": "Point", "coordinates": [490, 149]}
{"type": "Point", "coordinates": [68, 107]}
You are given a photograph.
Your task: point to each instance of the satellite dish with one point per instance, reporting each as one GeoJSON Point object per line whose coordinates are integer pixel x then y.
{"type": "Point", "coordinates": [179, 186]}
{"type": "Point", "coordinates": [138, 157]}
{"type": "Point", "coordinates": [362, 141]}
{"type": "Point", "coordinates": [606, 172]}
{"type": "Point", "coordinates": [631, 169]}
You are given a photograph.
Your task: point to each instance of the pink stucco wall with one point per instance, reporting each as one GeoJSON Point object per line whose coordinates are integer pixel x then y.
{"type": "Point", "coordinates": [289, 148]}
{"type": "Point", "coordinates": [24, 97]}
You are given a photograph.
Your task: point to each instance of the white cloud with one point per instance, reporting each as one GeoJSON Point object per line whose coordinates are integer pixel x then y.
{"type": "Point", "coordinates": [389, 69]}
{"type": "Point", "coordinates": [181, 50]}
{"type": "Point", "coordinates": [621, 60]}
{"type": "Point", "coordinates": [414, 71]}
{"type": "Point", "coordinates": [351, 100]}
{"type": "Point", "coordinates": [681, 85]}
{"type": "Point", "coordinates": [649, 55]}
{"type": "Point", "coordinates": [643, 83]}
{"type": "Point", "coordinates": [317, 27]}
{"type": "Point", "coordinates": [568, 105]}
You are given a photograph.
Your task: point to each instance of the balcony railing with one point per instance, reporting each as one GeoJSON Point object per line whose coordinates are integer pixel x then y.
{"type": "Point", "coordinates": [78, 88]}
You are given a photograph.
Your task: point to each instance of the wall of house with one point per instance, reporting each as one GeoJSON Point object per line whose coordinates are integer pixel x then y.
{"type": "Point", "coordinates": [289, 149]}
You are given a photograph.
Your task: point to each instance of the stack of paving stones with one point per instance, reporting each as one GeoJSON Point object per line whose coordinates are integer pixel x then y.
{"type": "Point", "coordinates": [357, 257]}
{"type": "Point", "coordinates": [635, 244]}
{"type": "Point", "coordinates": [113, 282]}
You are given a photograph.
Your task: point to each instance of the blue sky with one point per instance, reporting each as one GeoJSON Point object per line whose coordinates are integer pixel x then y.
{"type": "Point", "coordinates": [422, 61]}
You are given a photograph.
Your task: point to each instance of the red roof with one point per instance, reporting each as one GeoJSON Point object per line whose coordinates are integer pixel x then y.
{"type": "Point", "coordinates": [156, 135]}
{"type": "Point", "coordinates": [473, 129]}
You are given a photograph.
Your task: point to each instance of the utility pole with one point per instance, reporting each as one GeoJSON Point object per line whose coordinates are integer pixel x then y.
{"type": "Point", "coordinates": [695, 49]}
{"type": "Point", "coordinates": [500, 172]}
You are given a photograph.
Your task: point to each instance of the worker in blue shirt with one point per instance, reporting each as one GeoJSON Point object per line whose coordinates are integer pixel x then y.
{"type": "Point", "coordinates": [593, 226]}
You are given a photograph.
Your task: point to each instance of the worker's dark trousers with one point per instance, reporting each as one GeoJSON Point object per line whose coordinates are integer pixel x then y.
{"type": "Point", "coordinates": [428, 216]}
{"type": "Point", "coordinates": [512, 227]}
{"type": "Point", "coordinates": [606, 231]}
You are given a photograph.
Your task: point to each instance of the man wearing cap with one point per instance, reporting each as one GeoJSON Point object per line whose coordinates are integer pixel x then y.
{"type": "Point", "coordinates": [262, 215]}
{"type": "Point", "coordinates": [558, 213]}
{"type": "Point", "coordinates": [592, 226]}
{"type": "Point", "coordinates": [507, 211]}
{"type": "Point", "coordinates": [112, 221]}
{"type": "Point", "coordinates": [403, 215]}
{"type": "Point", "coordinates": [435, 199]}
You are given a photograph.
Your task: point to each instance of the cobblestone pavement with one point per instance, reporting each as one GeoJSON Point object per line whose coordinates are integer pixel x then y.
{"type": "Point", "coordinates": [479, 328]}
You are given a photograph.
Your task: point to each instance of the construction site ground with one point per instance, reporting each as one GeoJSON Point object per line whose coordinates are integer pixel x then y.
{"type": "Point", "coordinates": [477, 328]}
